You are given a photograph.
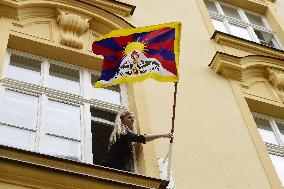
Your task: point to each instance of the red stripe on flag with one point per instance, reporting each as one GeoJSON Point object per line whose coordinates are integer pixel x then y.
{"type": "Point", "coordinates": [167, 64]}
{"type": "Point", "coordinates": [123, 40]}
{"type": "Point", "coordinates": [98, 49]}
{"type": "Point", "coordinates": [109, 64]}
{"type": "Point", "coordinates": [156, 33]}
{"type": "Point", "coordinates": [167, 45]}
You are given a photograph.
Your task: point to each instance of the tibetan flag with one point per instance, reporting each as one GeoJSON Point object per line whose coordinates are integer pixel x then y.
{"type": "Point", "coordinates": [136, 54]}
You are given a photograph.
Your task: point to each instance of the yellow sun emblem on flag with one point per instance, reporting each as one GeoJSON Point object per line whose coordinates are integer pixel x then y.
{"type": "Point", "coordinates": [134, 46]}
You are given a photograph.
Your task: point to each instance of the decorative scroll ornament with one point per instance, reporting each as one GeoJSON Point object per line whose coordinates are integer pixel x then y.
{"type": "Point", "coordinates": [72, 27]}
{"type": "Point", "coordinates": [276, 78]}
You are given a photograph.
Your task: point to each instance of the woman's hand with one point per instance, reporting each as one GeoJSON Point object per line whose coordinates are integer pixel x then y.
{"type": "Point", "coordinates": [168, 135]}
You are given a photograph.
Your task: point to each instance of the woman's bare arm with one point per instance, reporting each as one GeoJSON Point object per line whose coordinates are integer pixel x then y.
{"type": "Point", "coordinates": [149, 138]}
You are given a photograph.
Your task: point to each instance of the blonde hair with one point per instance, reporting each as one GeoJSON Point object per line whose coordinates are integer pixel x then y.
{"type": "Point", "coordinates": [119, 128]}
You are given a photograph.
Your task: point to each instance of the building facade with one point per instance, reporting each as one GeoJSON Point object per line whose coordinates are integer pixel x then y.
{"type": "Point", "coordinates": [229, 129]}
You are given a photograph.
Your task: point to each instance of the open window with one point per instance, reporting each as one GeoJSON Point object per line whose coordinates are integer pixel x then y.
{"type": "Point", "coordinates": [102, 123]}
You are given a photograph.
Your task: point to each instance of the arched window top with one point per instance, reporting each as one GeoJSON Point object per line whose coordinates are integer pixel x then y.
{"type": "Point", "coordinates": [102, 16]}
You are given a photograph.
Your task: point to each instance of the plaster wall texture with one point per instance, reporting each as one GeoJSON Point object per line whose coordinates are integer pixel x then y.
{"type": "Point", "coordinates": [212, 147]}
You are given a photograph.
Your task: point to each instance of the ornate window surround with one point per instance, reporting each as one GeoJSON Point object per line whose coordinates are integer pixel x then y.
{"type": "Point", "coordinates": [240, 69]}
{"type": "Point", "coordinates": [258, 6]}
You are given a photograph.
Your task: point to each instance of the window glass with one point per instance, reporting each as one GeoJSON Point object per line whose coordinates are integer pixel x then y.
{"type": "Point", "coordinates": [219, 25]}
{"type": "Point", "coordinates": [231, 12]}
{"type": "Point", "coordinates": [64, 79]}
{"type": "Point", "coordinates": [61, 147]}
{"type": "Point", "coordinates": [254, 19]}
{"type": "Point", "coordinates": [210, 6]}
{"type": "Point", "coordinates": [62, 119]}
{"type": "Point", "coordinates": [106, 115]}
{"type": "Point", "coordinates": [278, 163]}
{"type": "Point", "coordinates": [265, 38]}
{"type": "Point", "coordinates": [281, 129]}
{"type": "Point", "coordinates": [240, 32]}
{"type": "Point", "coordinates": [265, 130]}
{"type": "Point", "coordinates": [16, 137]}
{"type": "Point", "coordinates": [19, 109]}
{"type": "Point", "coordinates": [24, 69]}
{"type": "Point", "coordinates": [100, 140]}
{"type": "Point", "coordinates": [107, 94]}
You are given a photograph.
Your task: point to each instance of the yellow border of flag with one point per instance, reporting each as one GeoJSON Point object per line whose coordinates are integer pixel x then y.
{"type": "Point", "coordinates": [126, 32]}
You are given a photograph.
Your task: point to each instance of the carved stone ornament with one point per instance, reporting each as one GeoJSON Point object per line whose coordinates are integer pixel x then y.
{"type": "Point", "coordinates": [276, 78]}
{"type": "Point", "coordinates": [72, 27]}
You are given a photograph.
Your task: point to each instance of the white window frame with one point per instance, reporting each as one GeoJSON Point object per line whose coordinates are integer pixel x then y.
{"type": "Point", "coordinates": [44, 93]}
{"type": "Point", "coordinates": [272, 121]}
{"type": "Point", "coordinates": [273, 149]}
{"type": "Point", "coordinates": [244, 22]}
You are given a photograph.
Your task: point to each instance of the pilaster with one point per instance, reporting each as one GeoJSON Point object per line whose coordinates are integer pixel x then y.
{"type": "Point", "coordinates": [4, 37]}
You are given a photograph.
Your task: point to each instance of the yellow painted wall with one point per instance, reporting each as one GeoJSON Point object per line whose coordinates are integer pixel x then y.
{"type": "Point", "coordinates": [213, 147]}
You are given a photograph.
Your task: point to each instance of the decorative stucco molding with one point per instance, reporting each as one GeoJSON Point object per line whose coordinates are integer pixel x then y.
{"type": "Point", "coordinates": [243, 68]}
{"type": "Point", "coordinates": [116, 7]}
{"type": "Point", "coordinates": [72, 27]}
{"type": "Point", "coordinates": [240, 68]}
{"type": "Point", "coordinates": [246, 45]}
{"type": "Point", "coordinates": [276, 78]}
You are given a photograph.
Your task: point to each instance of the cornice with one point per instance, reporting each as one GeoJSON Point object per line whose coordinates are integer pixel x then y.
{"type": "Point", "coordinates": [116, 7]}
{"type": "Point", "coordinates": [20, 10]}
{"type": "Point", "coordinates": [246, 45]}
{"type": "Point", "coordinates": [240, 68]}
{"type": "Point", "coordinates": [43, 171]}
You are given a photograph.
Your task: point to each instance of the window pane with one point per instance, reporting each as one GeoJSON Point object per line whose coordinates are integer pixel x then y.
{"type": "Point", "coordinates": [100, 141]}
{"type": "Point", "coordinates": [107, 94]}
{"type": "Point", "coordinates": [231, 12]}
{"type": "Point", "coordinates": [61, 147]}
{"type": "Point", "coordinates": [240, 32]}
{"type": "Point", "coordinates": [278, 163]}
{"type": "Point", "coordinates": [254, 19]}
{"type": "Point", "coordinates": [210, 6]}
{"type": "Point", "coordinates": [265, 130]}
{"type": "Point", "coordinates": [219, 25]}
{"type": "Point", "coordinates": [281, 129]}
{"type": "Point", "coordinates": [19, 109]}
{"type": "Point", "coordinates": [109, 116]}
{"type": "Point", "coordinates": [265, 38]}
{"type": "Point", "coordinates": [24, 69]}
{"type": "Point", "coordinates": [63, 79]}
{"type": "Point", "coordinates": [18, 138]}
{"type": "Point", "coordinates": [62, 119]}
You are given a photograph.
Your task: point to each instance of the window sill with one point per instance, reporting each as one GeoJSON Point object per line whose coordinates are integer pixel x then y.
{"type": "Point", "coordinates": [246, 45]}
{"type": "Point", "coordinates": [38, 170]}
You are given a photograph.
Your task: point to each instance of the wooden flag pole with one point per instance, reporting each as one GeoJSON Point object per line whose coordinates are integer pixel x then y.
{"type": "Point", "coordinates": [172, 131]}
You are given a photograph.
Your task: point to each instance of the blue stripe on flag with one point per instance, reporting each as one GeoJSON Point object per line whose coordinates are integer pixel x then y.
{"type": "Point", "coordinates": [169, 55]}
{"type": "Point", "coordinates": [110, 58]}
{"type": "Point", "coordinates": [110, 44]}
{"type": "Point", "coordinates": [168, 35]}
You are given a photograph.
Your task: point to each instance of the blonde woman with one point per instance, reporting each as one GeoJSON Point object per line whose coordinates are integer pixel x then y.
{"type": "Point", "coordinates": [121, 141]}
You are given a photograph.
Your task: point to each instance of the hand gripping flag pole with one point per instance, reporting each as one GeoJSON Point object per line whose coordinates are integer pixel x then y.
{"type": "Point", "coordinates": [172, 131]}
